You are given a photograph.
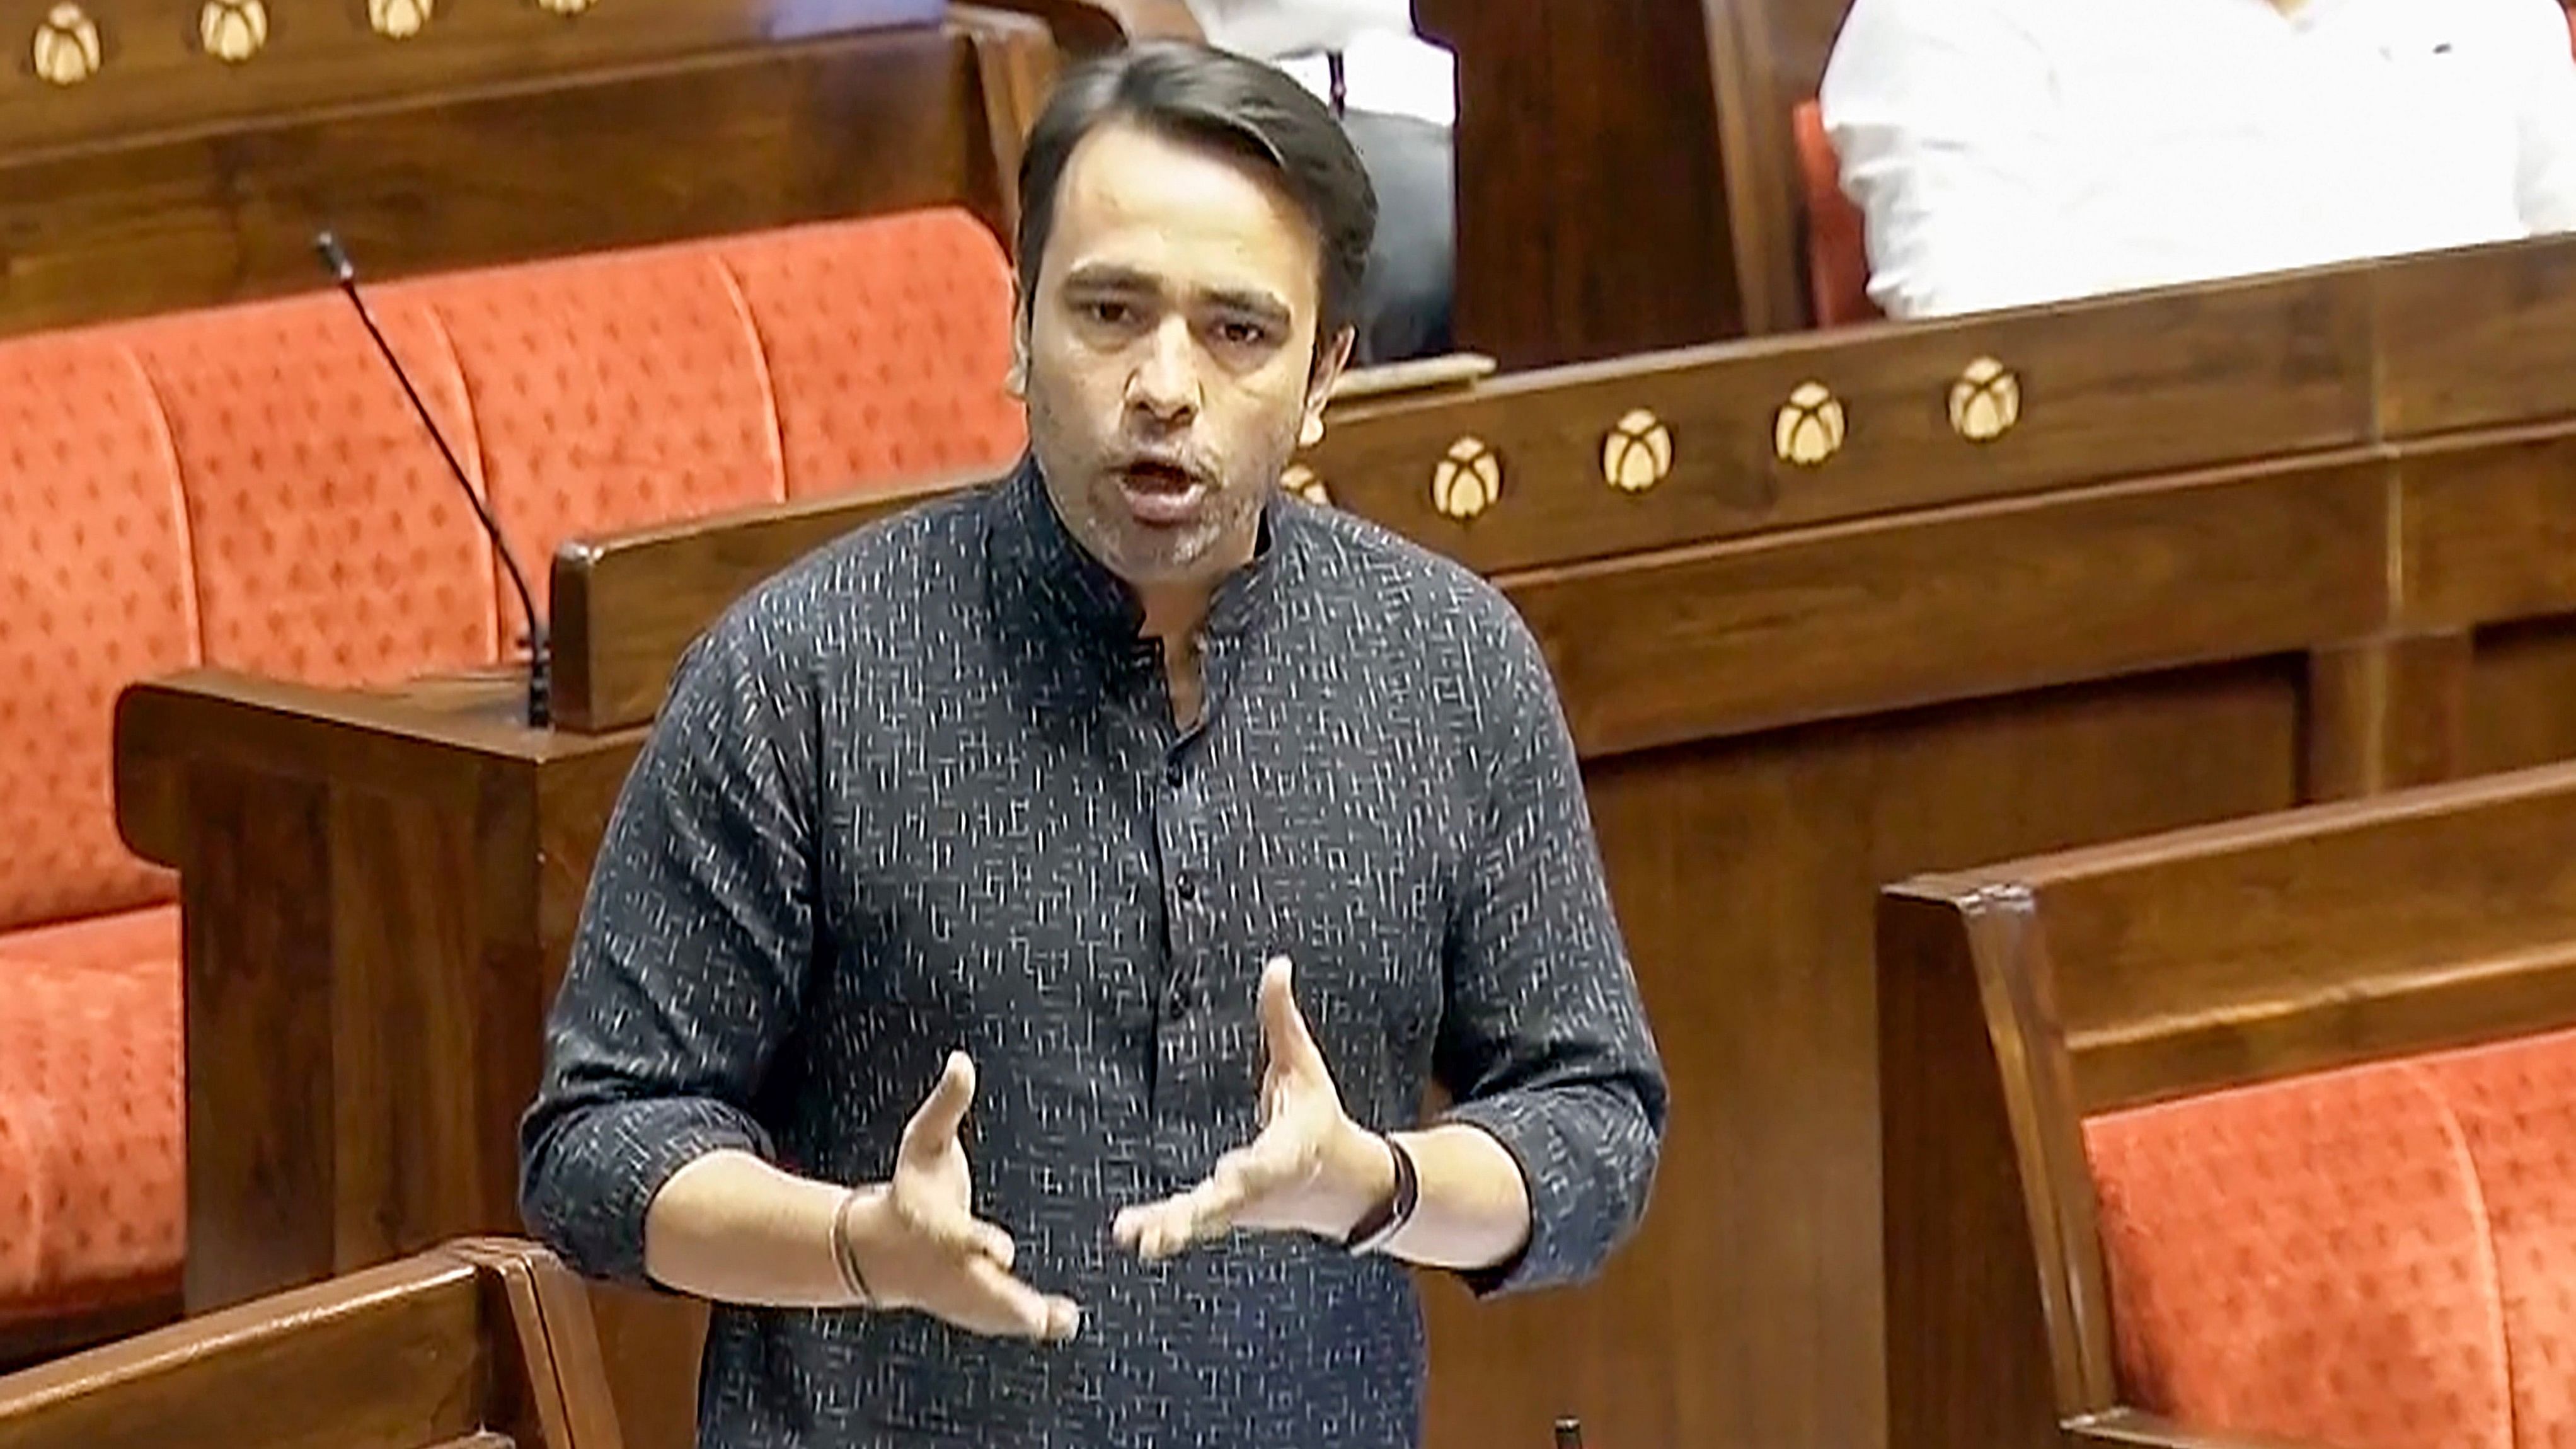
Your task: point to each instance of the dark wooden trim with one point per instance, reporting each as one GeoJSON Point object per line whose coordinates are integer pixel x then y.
{"type": "Point", "coordinates": [672, 151]}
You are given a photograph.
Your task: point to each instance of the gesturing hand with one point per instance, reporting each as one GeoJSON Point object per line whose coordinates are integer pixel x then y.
{"type": "Point", "coordinates": [919, 1244]}
{"type": "Point", "coordinates": [1311, 1168]}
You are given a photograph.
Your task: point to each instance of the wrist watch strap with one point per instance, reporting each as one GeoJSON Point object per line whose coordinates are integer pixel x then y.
{"type": "Point", "coordinates": [1379, 1227]}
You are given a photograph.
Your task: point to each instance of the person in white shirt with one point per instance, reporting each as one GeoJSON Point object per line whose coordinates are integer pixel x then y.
{"type": "Point", "coordinates": [1397, 96]}
{"type": "Point", "coordinates": [2012, 152]}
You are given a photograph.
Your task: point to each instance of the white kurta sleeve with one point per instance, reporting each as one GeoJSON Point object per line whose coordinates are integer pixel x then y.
{"type": "Point", "coordinates": [2546, 174]}
{"type": "Point", "coordinates": [1946, 118]}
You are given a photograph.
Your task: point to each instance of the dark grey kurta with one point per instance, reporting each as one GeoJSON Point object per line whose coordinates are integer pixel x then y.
{"type": "Point", "coordinates": [923, 791]}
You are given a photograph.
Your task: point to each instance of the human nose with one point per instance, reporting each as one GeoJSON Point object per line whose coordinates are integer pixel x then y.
{"type": "Point", "coordinates": [1165, 384]}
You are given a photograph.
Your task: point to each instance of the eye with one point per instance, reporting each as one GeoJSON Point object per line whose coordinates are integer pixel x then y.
{"type": "Point", "coordinates": [1243, 334]}
{"type": "Point", "coordinates": [1108, 313]}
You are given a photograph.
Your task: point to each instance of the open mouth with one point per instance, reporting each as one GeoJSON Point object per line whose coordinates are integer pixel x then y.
{"type": "Point", "coordinates": [1159, 492]}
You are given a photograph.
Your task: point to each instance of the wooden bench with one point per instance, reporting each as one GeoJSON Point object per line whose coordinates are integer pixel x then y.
{"type": "Point", "coordinates": [1795, 672]}
{"type": "Point", "coordinates": [476, 1344]}
{"type": "Point", "coordinates": [2257, 1132]}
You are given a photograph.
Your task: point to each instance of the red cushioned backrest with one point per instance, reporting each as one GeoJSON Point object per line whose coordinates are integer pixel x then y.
{"type": "Point", "coordinates": [608, 393]}
{"type": "Point", "coordinates": [1837, 249]}
{"type": "Point", "coordinates": [886, 346]}
{"type": "Point", "coordinates": [2516, 1108]}
{"type": "Point", "coordinates": [329, 542]}
{"type": "Point", "coordinates": [2305, 1260]}
{"type": "Point", "coordinates": [248, 486]}
{"type": "Point", "coordinates": [94, 591]}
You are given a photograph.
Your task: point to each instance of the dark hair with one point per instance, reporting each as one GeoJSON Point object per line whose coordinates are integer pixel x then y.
{"type": "Point", "coordinates": [1194, 93]}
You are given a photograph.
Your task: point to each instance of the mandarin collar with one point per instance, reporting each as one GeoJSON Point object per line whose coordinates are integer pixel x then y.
{"type": "Point", "coordinates": [1051, 580]}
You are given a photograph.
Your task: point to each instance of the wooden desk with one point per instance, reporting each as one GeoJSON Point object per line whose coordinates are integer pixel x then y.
{"type": "Point", "coordinates": [2242, 547]}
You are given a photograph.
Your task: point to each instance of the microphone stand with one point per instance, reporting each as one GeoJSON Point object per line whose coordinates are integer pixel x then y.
{"type": "Point", "coordinates": [540, 701]}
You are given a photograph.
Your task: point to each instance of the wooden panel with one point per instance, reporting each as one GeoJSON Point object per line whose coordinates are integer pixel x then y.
{"type": "Point", "coordinates": [158, 70]}
{"type": "Point", "coordinates": [653, 1345]}
{"type": "Point", "coordinates": [2490, 530]}
{"type": "Point", "coordinates": [677, 151]}
{"type": "Point", "coordinates": [2201, 959]}
{"type": "Point", "coordinates": [2521, 708]}
{"type": "Point", "coordinates": [1742, 873]}
{"type": "Point", "coordinates": [255, 905]}
{"type": "Point", "coordinates": [661, 586]}
{"type": "Point", "coordinates": [429, 1003]}
{"type": "Point", "coordinates": [2121, 388]}
{"type": "Point", "coordinates": [481, 1342]}
{"type": "Point", "coordinates": [1969, 1300]}
{"type": "Point", "coordinates": [1591, 206]}
{"type": "Point", "coordinates": [1086, 26]}
{"type": "Point", "coordinates": [394, 1358]}
{"type": "Point", "coordinates": [574, 798]}
{"type": "Point", "coordinates": [1994, 597]}
{"type": "Point", "coordinates": [2478, 337]}
{"type": "Point", "coordinates": [2384, 714]}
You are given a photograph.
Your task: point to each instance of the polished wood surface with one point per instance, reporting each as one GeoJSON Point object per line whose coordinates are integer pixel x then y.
{"type": "Point", "coordinates": [379, 894]}
{"type": "Point", "coordinates": [1083, 27]}
{"type": "Point", "coordinates": [178, 65]}
{"type": "Point", "coordinates": [759, 135]}
{"type": "Point", "coordinates": [480, 1343]}
{"type": "Point", "coordinates": [1591, 206]}
{"type": "Point", "coordinates": [2019, 997]}
{"type": "Point", "coordinates": [2203, 576]}
{"type": "Point", "coordinates": [625, 607]}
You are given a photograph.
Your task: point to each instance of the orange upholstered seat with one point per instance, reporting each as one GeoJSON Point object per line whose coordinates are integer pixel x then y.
{"type": "Point", "coordinates": [91, 1112]}
{"type": "Point", "coordinates": [248, 488]}
{"type": "Point", "coordinates": [2382, 1257]}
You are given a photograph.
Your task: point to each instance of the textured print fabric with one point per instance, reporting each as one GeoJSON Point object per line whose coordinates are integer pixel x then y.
{"type": "Point", "coordinates": [923, 792]}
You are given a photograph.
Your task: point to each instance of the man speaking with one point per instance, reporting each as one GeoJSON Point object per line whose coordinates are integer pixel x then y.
{"type": "Point", "coordinates": [1016, 968]}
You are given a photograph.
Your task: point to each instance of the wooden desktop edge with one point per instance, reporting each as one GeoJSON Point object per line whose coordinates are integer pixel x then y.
{"type": "Point", "coordinates": [2252, 836]}
{"type": "Point", "coordinates": [173, 1347]}
{"type": "Point", "coordinates": [436, 735]}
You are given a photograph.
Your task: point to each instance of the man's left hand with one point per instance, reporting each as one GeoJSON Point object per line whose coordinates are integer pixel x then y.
{"type": "Point", "coordinates": [1310, 1169]}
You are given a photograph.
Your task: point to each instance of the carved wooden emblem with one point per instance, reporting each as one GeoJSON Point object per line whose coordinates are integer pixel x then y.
{"type": "Point", "coordinates": [400, 19]}
{"type": "Point", "coordinates": [66, 49]}
{"type": "Point", "coordinates": [1809, 427]}
{"type": "Point", "coordinates": [233, 31]}
{"type": "Point", "coordinates": [1467, 481]}
{"type": "Point", "coordinates": [1638, 454]}
{"type": "Point", "coordinates": [1985, 402]}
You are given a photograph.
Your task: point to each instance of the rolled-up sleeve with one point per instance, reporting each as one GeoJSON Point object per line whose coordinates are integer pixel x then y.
{"type": "Point", "coordinates": [689, 963]}
{"type": "Point", "coordinates": [1544, 1042]}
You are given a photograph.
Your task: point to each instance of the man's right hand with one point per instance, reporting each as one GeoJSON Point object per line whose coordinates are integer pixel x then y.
{"type": "Point", "coordinates": [918, 1244]}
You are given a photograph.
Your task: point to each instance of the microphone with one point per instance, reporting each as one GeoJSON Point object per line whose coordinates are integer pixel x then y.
{"type": "Point", "coordinates": [335, 260]}
{"type": "Point", "coordinates": [1569, 1433]}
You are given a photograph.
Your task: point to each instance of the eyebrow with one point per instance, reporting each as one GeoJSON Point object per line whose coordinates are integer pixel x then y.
{"type": "Point", "coordinates": [1107, 278]}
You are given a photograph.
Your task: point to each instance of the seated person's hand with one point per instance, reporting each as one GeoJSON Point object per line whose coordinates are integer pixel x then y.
{"type": "Point", "coordinates": [916, 1242]}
